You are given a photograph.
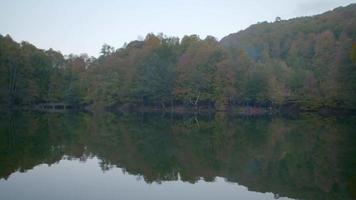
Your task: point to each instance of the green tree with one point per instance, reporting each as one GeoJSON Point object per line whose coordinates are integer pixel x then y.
{"type": "Point", "coordinates": [156, 75]}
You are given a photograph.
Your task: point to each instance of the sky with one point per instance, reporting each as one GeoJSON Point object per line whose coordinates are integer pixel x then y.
{"type": "Point", "coordinates": [83, 26]}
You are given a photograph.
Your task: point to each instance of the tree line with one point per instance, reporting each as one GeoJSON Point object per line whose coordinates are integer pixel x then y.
{"type": "Point", "coordinates": [310, 61]}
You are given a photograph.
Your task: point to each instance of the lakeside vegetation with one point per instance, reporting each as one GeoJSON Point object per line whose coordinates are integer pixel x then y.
{"type": "Point", "coordinates": [310, 61]}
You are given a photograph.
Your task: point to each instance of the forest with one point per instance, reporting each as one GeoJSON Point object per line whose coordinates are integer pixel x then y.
{"type": "Point", "coordinates": [307, 61]}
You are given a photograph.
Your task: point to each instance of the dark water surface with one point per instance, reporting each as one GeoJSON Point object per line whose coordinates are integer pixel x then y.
{"type": "Point", "coordinates": [132, 156]}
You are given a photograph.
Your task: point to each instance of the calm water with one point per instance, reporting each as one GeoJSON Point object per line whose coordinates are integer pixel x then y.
{"type": "Point", "coordinates": [105, 156]}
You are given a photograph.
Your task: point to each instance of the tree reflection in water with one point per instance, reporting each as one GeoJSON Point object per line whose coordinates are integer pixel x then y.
{"type": "Point", "coordinates": [309, 157]}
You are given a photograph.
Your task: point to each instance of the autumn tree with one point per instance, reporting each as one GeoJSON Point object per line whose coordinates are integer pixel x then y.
{"type": "Point", "coordinates": [353, 53]}
{"type": "Point", "coordinates": [156, 74]}
{"type": "Point", "coordinates": [197, 70]}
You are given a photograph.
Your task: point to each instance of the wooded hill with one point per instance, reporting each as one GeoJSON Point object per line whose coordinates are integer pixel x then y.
{"type": "Point", "coordinates": [310, 61]}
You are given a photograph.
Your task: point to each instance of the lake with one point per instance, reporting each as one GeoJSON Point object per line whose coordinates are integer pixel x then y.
{"type": "Point", "coordinates": [152, 156]}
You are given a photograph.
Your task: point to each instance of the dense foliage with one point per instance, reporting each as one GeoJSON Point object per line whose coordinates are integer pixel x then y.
{"type": "Point", "coordinates": [310, 61]}
{"type": "Point", "coordinates": [31, 75]}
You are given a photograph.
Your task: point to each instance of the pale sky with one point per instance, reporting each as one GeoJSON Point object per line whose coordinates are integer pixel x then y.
{"type": "Point", "coordinates": [83, 26]}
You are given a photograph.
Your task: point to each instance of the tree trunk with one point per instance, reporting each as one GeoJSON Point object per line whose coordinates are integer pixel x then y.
{"type": "Point", "coordinates": [197, 101]}
{"type": "Point", "coordinates": [172, 105]}
{"type": "Point", "coordinates": [12, 82]}
{"type": "Point", "coordinates": [163, 105]}
{"type": "Point", "coordinates": [196, 121]}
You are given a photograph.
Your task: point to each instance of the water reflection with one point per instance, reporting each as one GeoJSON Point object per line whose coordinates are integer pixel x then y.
{"type": "Point", "coordinates": [305, 158]}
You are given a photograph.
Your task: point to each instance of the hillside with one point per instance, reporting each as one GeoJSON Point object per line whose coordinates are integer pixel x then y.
{"type": "Point", "coordinates": [309, 57]}
{"type": "Point", "coordinates": [309, 61]}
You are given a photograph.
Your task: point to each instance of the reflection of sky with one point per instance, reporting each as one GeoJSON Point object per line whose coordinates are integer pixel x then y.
{"type": "Point", "coordinates": [83, 26]}
{"type": "Point", "coordinates": [85, 180]}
